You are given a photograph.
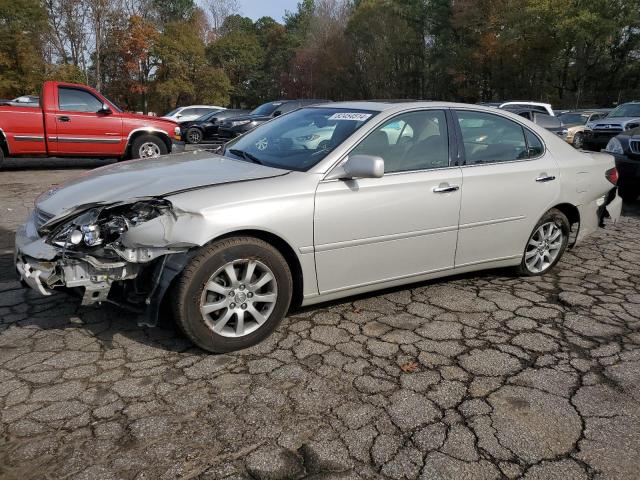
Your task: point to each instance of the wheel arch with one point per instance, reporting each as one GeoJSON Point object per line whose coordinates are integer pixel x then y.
{"type": "Point", "coordinates": [285, 249]}
{"type": "Point", "coordinates": [570, 210]}
{"type": "Point", "coordinates": [161, 134]}
{"type": "Point", "coordinates": [4, 144]}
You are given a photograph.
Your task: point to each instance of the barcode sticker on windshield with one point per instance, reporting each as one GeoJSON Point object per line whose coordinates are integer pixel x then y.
{"type": "Point", "coordinates": [358, 117]}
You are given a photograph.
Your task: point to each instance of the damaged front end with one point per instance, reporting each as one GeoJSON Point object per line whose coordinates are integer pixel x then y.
{"type": "Point", "coordinates": [115, 253]}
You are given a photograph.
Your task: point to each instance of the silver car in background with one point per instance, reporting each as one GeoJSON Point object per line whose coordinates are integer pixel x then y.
{"type": "Point", "coordinates": [383, 194]}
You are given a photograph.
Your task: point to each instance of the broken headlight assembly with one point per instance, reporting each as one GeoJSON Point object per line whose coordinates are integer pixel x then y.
{"type": "Point", "coordinates": [102, 226]}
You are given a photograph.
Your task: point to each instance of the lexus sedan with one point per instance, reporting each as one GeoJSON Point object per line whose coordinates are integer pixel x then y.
{"type": "Point", "coordinates": [398, 193]}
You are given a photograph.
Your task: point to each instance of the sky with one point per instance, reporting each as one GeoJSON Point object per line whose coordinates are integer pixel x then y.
{"type": "Point", "coordinates": [255, 9]}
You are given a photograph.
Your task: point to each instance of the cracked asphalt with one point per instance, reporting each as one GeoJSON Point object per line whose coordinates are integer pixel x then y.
{"type": "Point", "coordinates": [482, 376]}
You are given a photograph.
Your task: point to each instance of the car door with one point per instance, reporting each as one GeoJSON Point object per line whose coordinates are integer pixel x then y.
{"type": "Point", "coordinates": [509, 181]}
{"type": "Point", "coordinates": [81, 129]}
{"type": "Point", "coordinates": [368, 231]}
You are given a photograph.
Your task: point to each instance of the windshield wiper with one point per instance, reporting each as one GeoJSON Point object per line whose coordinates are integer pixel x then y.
{"type": "Point", "coordinates": [245, 155]}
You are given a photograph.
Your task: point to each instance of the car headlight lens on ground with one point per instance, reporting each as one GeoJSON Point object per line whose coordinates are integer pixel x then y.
{"type": "Point", "coordinates": [614, 146]}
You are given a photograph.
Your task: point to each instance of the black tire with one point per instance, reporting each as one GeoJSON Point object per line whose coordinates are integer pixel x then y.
{"type": "Point", "coordinates": [630, 193]}
{"type": "Point", "coordinates": [148, 139]}
{"type": "Point", "coordinates": [578, 141]}
{"type": "Point", "coordinates": [1, 158]}
{"type": "Point", "coordinates": [560, 220]}
{"type": "Point", "coordinates": [188, 292]}
{"type": "Point", "coordinates": [194, 135]}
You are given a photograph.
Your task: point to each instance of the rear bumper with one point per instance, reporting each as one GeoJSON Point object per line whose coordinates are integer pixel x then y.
{"type": "Point", "coordinates": [601, 212]}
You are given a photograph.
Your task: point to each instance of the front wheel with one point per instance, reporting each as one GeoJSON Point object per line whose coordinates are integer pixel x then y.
{"type": "Point", "coordinates": [148, 146]}
{"type": "Point", "coordinates": [194, 135]}
{"type": "Point", "coordinates": [578, 141]}
{"type": "Point", "coordinates": [546, 245]}
{"type": "Point", "coordinates": [233, 294]}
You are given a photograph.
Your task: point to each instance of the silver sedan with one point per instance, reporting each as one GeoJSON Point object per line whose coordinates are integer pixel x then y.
{"type": "Point", "coordinates": [394, 193]}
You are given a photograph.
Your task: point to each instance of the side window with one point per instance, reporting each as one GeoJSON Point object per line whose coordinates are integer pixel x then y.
{"type": "Point", "coordinates": [491, 138]}
{"type": "Point", "coordinates": [77, 100]}
{"type": "Point", "coordinates": [534, 144]}
{"type": "Point", "coordinates": [187, 112]}
{"type": "Point", "coordinates": [411, 141]}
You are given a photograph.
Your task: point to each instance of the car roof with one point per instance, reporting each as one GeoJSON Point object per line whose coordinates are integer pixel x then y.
{"type": "Point", "coordinates": [399, 105]}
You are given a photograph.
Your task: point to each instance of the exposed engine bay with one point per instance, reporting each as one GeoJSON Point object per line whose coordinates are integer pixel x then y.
{"type": "Point", "coordinates": [95, 248]}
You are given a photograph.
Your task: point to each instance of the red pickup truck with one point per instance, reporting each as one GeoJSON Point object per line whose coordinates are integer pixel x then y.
{"type": "Point", "coordinates": [76, 120]}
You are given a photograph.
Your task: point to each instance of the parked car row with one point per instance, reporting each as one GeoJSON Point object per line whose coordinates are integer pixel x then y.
{"type": "Point", "coordinates": [223, 125]}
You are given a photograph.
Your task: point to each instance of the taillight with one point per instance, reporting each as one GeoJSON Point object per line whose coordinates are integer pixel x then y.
{"type": "Point", "coordinates": [612, 175]}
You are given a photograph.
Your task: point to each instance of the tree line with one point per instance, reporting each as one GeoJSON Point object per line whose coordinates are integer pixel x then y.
{"type": "Point", "coordinates": [153, 55]}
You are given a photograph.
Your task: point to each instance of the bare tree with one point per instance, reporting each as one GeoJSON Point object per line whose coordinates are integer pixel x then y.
{"type": "Point", "coordinates": [218, 11]}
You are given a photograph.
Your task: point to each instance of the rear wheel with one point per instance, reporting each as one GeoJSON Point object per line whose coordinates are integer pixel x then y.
{"type": "Point", "coordinates": [1, 158]}
{"type": "Point", "coordinates": [148, 146]}
{"type": "Point", "coordinates": [194, 135]}
{"type": "Point", "coordinates": [546, 245]}
{"type": "Point", "coordinates": [233, 294]}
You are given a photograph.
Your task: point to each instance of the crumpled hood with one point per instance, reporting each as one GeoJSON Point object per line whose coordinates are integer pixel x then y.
{"type": "Point", "coordinates": [149, 178]}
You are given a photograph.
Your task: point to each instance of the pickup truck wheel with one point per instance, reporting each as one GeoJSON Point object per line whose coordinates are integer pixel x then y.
{"type": "Point", "coordinates": [148, 146]}
{"type": "Point", "coordinates": [546, 245]}
{"type": "Point", "coordinates": [1, 158]}
{"type": "Point", "coordinates": [233, 294]}
{"type": "Point", "coordinates": [194, 135]}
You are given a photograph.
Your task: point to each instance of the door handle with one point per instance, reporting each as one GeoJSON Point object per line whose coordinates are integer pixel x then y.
{"type": "Point", "coordinates": [545, 178]}
{"type": "Point", "coordinates": [64, 119]}
{"type": "Point", "coordinates": [445, 188]}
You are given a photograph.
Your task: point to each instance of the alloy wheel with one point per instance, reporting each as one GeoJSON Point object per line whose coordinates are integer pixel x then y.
{"type": "Point", "coordinates": [543, 247]}
{"type": "Point", "coordinates": [194, 136]}
{"type": "Point", "coordinates": [239, 298]}
{"type": "Point", "coordinates": [149, 150]}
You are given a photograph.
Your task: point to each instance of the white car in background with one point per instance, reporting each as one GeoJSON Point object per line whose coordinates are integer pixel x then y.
{"type": "Point", "coordinates": [538, 106]}
{"type": "Point", "coordinates": [187, 114]}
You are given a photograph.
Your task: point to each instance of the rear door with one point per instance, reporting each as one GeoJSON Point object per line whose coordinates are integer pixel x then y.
{"type": "Point", "coordinates": [509, 180]}
{"type": "Point", "coordinates": [80, 127]}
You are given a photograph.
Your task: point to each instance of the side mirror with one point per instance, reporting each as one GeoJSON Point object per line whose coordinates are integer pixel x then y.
{"type": "Point", "coordinates": [359, 166]}
{"type": "Point", "coordinates": [178, 115]}
{"type": "Point", "coordinates": [105, 109]}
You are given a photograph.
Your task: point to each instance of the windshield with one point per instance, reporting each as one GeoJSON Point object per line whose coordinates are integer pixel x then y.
{"type": "Point", "coordinates": [172, 112]}
{"type": "Point", "coordinates": [574, 118]}
{"type": "Point", "coordinates": [299, 140]}
{"type": "Point", "coordinates": [626, 110]}
{"type": "Point", "coordinates": [266, 109]}
{"type": "Point", "coordinates": [206, 116]}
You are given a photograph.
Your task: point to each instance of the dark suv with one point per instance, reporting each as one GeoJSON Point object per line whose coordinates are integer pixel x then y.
{"type": "Point", "coordinates": [205, 128]}
{"type": "Point", "coordinates": [621, 119]}
{"type": "Point", "coordinates": [232, 127]}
